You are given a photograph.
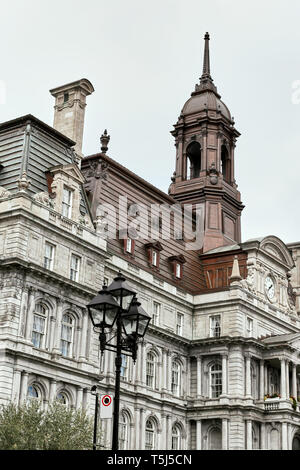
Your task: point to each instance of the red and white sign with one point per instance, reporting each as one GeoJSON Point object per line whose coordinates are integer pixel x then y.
{"type": "Point", "coordinates": [106, 406]}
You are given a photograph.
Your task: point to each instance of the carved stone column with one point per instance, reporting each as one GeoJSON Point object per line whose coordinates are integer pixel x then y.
{"type": "Point", "coordinates": [83, 339]}
{"type": "Point", "coordinates": [24, 387]}
{"type": "Point", "coordinates": [282, 378]}
{"type": "Point", "coordinates": [287, 368]}
{"type": "Point", "coordinates": [142, 428]}
{"type": "Point", "coordinates": [284, 444]}
{"type": "Point", "coordinates": [224, 434]}
{"type": "Point", "coordinates": [52, 394]}
{"type": "Point", "coordinates": [57, 336]}
{"type": "Point", "coordinates": [248, 377]}
{"type": "Point", "coordinates": [169, 433]}
{"type": "Point", "coordinates": [199, 376]}
{"type": "Point", "coordinates": [294, 381]}
{"type": "Point", "coordinates": [29, 316]}
{"type": "Point", "coordinates": [15, 395]}
{"type": "Point", "coordinates": [249, 434]}
{"type": "Point", "coordinates": [169, 384]}
{"type": "Point", "coordinates": [164, 369]}
{"type": "Point", "coordinates": [23, 311]}
{"type": "Point", "coordinates": [263, 436]}
{"type": "Point", "coordinates": [224, 374]}
{"type": "Point", "coordinates": [79, 396]}
{"type": "Point", "coordinates": [199, 434]}
{"type": "Point", "coordinates": [262, 380]}
{"type": "Point", "coordinates": [137, 428]}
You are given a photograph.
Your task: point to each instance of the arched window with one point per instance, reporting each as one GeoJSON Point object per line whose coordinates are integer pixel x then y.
{"type": "Point", "coordinates": [193, 153]}
{"type": "Point", "coordinates": [62, 398]}
{"type": "Point", "coordinates": [151, 367]}
{"type": "Point", "coordinates": [39, 326]}
{"type": "Point", "coordinates": [67, 335]}
{"type": "Point", "coordinates": [225, 164]}
{"type": "Point", "coordinates": [124, 426]}
{"type": "Point", "coordinates": [33, 392]}
{"type": "Point", "coordinates": [150, 435]}
{"type": "Point", "coordinates": [176, 437]}
{"type": "Point", "coordinates": [176, 376]}
{"type": "Point", "coordinates": [216, 380]}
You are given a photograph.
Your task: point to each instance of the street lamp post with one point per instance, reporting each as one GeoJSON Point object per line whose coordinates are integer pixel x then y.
{"type": "Point", "coordinates": [95, 392]}
{"type": "Point", "coordinates": [107, 310]}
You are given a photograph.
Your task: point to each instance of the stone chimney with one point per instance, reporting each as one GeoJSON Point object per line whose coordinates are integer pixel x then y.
{"type": "Point", "coordinates": [70, 103]}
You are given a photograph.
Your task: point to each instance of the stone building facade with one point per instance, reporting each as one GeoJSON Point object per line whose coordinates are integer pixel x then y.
{"type": "Point", "coordinates": [220, 361]}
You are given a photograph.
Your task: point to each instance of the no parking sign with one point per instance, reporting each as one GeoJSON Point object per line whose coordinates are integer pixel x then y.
{"type": "Point", "coordinates": [106, 406]}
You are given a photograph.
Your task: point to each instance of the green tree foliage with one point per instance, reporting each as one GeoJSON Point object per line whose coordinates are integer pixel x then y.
{"type": "Point", "coordinates": [29, 427]}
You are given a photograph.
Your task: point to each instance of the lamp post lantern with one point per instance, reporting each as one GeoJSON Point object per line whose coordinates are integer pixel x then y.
{"type": "Point", "coordinates": [107, 311]}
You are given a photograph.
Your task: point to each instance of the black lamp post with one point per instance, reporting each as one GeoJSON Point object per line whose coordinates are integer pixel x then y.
{"type": "Point", "coordinates": [105, 313]}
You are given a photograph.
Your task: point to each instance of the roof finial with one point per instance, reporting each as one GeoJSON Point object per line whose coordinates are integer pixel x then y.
{"type": "Point", "coordinates": [206, 62]}
{"type": "Point", "coordinates": [206, 82]}
{"type": "Point", "coordinates": [104, 141]}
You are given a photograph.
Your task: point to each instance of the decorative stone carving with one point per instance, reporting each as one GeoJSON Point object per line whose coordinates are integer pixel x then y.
{"type": "Point", "coordinates": [98, 169]}
{"type": "Point", "coordinates": [44, 198]}
{"type": "Point", "coordinates": [4, 193]}
{"type": "Point", "coordinates": [23, 183]}
{"type": "Point", "coordinates": [213, 174]}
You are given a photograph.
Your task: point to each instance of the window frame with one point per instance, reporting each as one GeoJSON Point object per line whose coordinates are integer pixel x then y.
{"type": "Point", "coordinates": [125, 424]}
{"type": "Point", "coordinates": [215, 389]}
{"type": "Point", "coordinates": [42, 334]}
{"type": "Point", "coordinates": [150, 431]}
{"type": "Point", "coordinates": [67, 204]}
{"type": "Point", "coordinates": [153, 369]}
{"type": "Point", "coordinates": [178, 270]}
{"type": "Point", "coordinates": [213, 328]}
{"type": "Point", "coordinates": [78, 258]}
{"type": "Point", "coordinates": [179, 324]}
{"type": "Point", "coordinates": [156, 314]}
{"type": "Point", "coordinates": [178, 437]}
{"type": "Point", "coordinates": [52, 251]}
{"type": "Point", "coordinates": [125, 367]}
{"type": "Point", "coordinates": [71, 342]}
{"type": "Point", "coordinates": [249, 330]}
{"type": "Point", "coordinates": [176, 385]}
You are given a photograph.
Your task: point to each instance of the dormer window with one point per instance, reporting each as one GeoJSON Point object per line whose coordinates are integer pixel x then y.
{"type": "Point", "coordinates": [67, 202]}
{"type": "Point", "coordinates": [178, 270]}
{"type": "Point", "coordinates": [129, 246]}
{"type": "Point", "coordinates": [153, 252]}
{"type": "Point", "coordinates": [177, 263]}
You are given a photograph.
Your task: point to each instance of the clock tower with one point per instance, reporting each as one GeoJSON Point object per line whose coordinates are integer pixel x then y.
{"type": "Point", "coordinates": [205, 139]}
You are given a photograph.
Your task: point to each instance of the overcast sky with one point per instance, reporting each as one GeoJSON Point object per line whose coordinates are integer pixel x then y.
{"type": "Point", "coordinates": [144, 58]}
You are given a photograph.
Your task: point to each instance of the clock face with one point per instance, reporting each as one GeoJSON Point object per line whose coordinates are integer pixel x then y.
{"type": "Point", "coordinates": [270, 287]}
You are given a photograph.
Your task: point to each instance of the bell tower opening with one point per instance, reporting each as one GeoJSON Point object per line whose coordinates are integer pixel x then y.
{"type": "Point", "coordinates": [225, 164]}
{"type": "Point", "coordinates": [193, 153]}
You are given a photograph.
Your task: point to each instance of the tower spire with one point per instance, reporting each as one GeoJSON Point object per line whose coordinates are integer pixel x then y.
{"type": "Point", "coordinates": [206, 62]}
{"type": "Point", "coordinates": [206, 82]}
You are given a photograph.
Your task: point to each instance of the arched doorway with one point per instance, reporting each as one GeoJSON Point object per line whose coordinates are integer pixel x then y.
{"type": "Point", "coordinates": [215, 439]}
{"type": "Point", "coordinates": [296, 442]}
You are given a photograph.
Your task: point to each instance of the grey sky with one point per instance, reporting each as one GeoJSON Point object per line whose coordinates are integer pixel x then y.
{"type": "Point", "coordinates": [144, 59]}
